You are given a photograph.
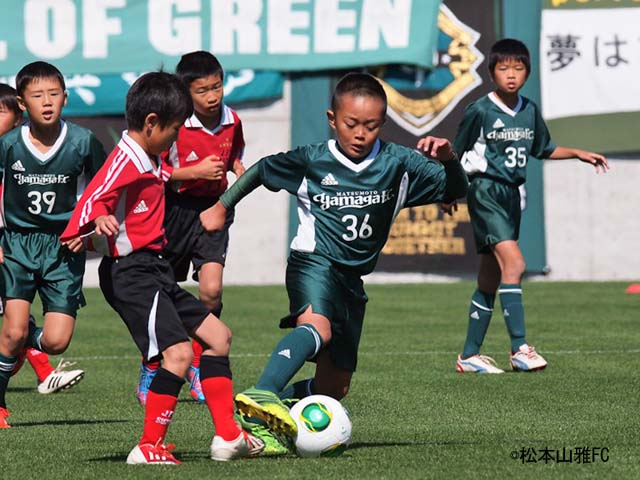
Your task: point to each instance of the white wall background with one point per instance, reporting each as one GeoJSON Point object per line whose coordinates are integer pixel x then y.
{"type": "Point", "coordinates": [592, 221]}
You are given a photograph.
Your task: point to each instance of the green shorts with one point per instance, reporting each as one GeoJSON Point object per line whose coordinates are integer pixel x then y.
{"type": "Point", "coordinates": [337, 294]}
{"type": "Point", "coordinates": [495, 212]}
{"type": "Point", "coordinates": [36, 262]}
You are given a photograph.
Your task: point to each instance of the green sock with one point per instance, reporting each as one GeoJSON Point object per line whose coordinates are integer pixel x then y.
{"type": "Point", "coordinates": [7, 364]}
{"type": "Point", "coordinates": [480, 311]}
{"type": "Point", "coordinates": [34, 335]}
{"type": "Point", "coordinates": [513, 311]}
{"type": "Point", "coordinates": [292, 351]}
{"type": "Point", "coordinates": [298, 390]}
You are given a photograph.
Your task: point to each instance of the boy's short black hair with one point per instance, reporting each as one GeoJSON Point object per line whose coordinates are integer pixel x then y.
{"type": "Point", "coordinates": [509, 48]}
{"type": "Point", "coordinates": [160, 93]}
{"type": "Point", "coordinates": [359, 84]}
{"type": "Point", "coordinates": [195, 65]}
{"type": "Point", "coordinates": [8, 99]}
{"type": "Point", "coordinates": [36, 70]}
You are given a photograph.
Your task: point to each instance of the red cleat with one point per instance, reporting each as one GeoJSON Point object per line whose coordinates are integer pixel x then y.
{"type": "Point", "coordinates": [149, 454]}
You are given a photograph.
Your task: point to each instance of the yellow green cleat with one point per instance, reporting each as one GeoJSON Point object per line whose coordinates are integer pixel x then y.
{"type": "Point", "coordinates": [267, 407]}
{"type": "Point", "coordinates": [273, 445]}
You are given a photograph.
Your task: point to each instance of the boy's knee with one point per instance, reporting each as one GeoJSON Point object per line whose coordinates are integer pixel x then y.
{"type": "Point", "coordinates": [180, 354]}
{"type": "Point", "coordinates": [211, 294]}
{"type": "Point", "coordinates": [13, 337]}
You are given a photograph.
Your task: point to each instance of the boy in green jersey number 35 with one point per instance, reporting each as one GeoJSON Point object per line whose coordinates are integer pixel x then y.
{"type": "Point", "coordinates": [498, 134]}
{"type": "Point", "coordinates": [349, 191]}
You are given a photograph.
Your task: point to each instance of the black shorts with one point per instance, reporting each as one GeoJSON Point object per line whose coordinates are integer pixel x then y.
{"type": "Point", "coordinates": [142, 289]}
{"type": "Point", "coordinates": [187, 241]}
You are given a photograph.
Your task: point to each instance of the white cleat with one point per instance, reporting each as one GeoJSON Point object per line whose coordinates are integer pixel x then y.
{"type": "Point", "coordinates": [246, 445]}
{"type": "Point", "coordinates": [477, 364]}
{"type": "Point", "coordinates": [60, 379]}
{"type": "Point", "coordinates": [527, 360]}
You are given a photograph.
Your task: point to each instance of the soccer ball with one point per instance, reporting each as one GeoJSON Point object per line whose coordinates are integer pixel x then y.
{"type": "Point", "coordinates": [324, 427]}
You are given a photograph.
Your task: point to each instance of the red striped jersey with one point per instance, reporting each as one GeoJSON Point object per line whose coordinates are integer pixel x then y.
{"type": "Point", "coordinates": [130, 186]}
{"type": "Point", "coordinates": [196, 142]}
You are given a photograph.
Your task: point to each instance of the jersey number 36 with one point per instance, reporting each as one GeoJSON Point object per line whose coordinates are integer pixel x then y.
{"type": "Point", "coordinates": [353, 230]}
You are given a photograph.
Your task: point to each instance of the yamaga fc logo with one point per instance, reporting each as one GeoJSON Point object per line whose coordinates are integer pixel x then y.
{"type": "Point", "coordinates": [454, 75]}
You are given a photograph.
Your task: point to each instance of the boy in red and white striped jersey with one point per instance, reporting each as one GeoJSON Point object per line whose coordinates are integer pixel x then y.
{"type": "Point", "coordinates": [122, 210]}
{"type": "Point", "coordinates": [210, 144]}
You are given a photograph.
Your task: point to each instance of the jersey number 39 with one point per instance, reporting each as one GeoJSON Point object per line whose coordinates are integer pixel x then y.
{"type": "Point", "coordinates": [40, 199]}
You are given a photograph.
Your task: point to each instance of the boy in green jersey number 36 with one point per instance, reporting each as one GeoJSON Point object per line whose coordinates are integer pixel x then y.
{"type": "Point", "coordinates": [498, 134]}
{"type": "Point", "coordinates": [349, 191]}
{"type": "Point", "coordinates": [45, 165]}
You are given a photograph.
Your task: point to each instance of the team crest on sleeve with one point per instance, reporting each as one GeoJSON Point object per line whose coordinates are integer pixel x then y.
{"type": "Point", "coordinates": [428, 97]}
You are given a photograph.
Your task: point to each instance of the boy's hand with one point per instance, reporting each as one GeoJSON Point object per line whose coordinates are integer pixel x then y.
{"type": "Point", "coordinates": [75, 244]}
{"type": "Point", "coordinates": [449, 208]}
{"type": "Point", "coordinates": [209, 168]}
{"type": "Point", "coordinates": [1, 255]}
{"type": "Point", "coordinates": [106, 225]}
{"type": "Point", "coordinates": [213, 218]}
{"type": "Point", "coordinates": [598, 161]}
{"type": "Point", "coordinates": [238, 169]}
{"type": "Point", "coordinates": [438, 148]}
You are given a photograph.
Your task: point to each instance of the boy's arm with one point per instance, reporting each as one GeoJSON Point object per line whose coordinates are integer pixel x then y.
{"type": "Point", "coordinates": [95, 209]}
{"type": "Point", "coordinates": [213, 218]}
{"type": "Point", "coordinates": [598, 161]}
{"type": "Point", "coordinates": [209, 168]}
{"type": "Point", "coordinates": [456, 178]}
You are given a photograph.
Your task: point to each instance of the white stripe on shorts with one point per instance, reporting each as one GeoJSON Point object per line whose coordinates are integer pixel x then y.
{"type": "Point", "coordinates": [151, 326]}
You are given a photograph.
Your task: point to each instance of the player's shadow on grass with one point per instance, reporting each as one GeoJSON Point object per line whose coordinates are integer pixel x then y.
{"type": "Point", "coordinates": [65, 422]}
{"type": "Point", "coordinates": [182, 456]}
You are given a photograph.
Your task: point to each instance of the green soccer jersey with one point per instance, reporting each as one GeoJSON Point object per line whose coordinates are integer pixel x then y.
{"type": "Point", "coordinates": [41, 189]}
{"type": "Point", "coordinates": [346, 209]}
{"type": "Point", "coordinates": [497, 142]}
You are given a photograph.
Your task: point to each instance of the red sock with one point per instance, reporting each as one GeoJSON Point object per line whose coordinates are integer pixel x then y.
{"type": "Point", "coordinates": [40, 363]}
{"type": "Point", "coordinates": [218, 392]}
{"type": "Point", "coordinates": [197, 348]}
{"type": "Point", "coordinates": [157, 416]}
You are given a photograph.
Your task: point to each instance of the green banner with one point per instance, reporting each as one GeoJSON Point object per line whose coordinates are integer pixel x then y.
{"type": "Point", "coordinates": [105, 94]}
{"type": "Point", "coordinates": [111, 36]}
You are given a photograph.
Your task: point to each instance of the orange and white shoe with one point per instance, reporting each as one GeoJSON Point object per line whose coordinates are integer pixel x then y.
{"type": "Point", "coordinates": [526, 359]}
{"type": "Point", "coordinates": [4, 413]}
{"type": "Point", "coordinates": [246, 445]}
{"type": "Point", "coordinates": [477, 364]}
{"type": "Point", "coordinates": [150, 454]}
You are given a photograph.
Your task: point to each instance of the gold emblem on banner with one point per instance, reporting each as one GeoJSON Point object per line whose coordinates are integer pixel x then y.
{"type": "Point", "coordinates": [461, 58]}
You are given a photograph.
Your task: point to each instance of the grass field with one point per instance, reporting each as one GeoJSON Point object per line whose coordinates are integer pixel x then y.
{"type": "Point", "coordinates": [413, 416]}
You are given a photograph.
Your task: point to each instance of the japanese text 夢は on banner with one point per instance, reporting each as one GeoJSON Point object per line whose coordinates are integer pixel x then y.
{"type": "Point", "coordinates": [590, 63]}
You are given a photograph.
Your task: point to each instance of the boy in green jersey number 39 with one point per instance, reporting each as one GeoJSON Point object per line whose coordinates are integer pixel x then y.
{"type": "Point", "coordinates": [45, 165]}
{"type": "Point", "coordinates": [349, 191]}
{"type": "Point", "coordinates": [498, 134]}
